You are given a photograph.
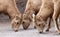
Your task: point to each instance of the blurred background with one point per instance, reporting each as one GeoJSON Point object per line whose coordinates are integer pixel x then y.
{"type": "Point", "coordinates": [21, 6]}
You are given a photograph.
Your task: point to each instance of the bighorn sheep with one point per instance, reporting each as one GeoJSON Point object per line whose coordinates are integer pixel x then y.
{"type": "Point", "coordinates": [9, 8]}
{"type": "Point", "coordinates": [44, 13]}
{"type": "Point", "coordinates": [32, 6]}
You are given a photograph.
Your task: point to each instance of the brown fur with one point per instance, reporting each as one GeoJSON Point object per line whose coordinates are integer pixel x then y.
{"type": "Point", "coordinates": [9, 8]}
{"type": "Point", "coordinates": [45, 11]}
{"type": "Point", "coordinates": [56, 14]}
{"type": "Point", "coordinates": [32, 6]}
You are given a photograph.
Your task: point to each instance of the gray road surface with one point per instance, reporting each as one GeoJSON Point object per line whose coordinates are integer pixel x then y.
{"type": "Point", "coordinates": [6, 31]}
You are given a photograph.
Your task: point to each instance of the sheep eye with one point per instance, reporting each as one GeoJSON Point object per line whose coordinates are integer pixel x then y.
{"type": "Point", "coordinates": [17, 23]}
{"type": "Point", "coordinates": [39, 24]}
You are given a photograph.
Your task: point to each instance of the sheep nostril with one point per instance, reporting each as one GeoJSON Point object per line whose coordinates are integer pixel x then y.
{"type": "Point", "coordinates": [40, 32]}
{"type": "Point", "coordinates": [23, 22]}
{"type": "Point", "coordinates": [16, 30]}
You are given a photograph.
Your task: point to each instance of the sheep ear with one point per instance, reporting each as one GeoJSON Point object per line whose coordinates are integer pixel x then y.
{"type": "Point", "coordinates": [16, 17]}
{"type": "Point", "coordinates": [42, 22]}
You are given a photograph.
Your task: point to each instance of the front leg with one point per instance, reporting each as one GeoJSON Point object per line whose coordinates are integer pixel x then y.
{"type": "Point", "coordinates": [55, 17]}
{"type": "Point", "coordinates": [48, 23]}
